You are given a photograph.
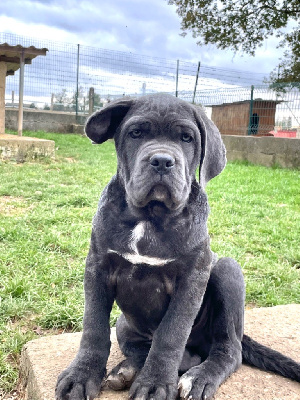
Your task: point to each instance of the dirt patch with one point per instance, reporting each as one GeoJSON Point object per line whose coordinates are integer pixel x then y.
{"type": "Point", "coordinates": [71, 160]}
{"type": "Point", "coordinates": [10, 205]}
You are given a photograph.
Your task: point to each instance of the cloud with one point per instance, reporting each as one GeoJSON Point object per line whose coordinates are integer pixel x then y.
{"type": "Point", "coordinates": [138, 26]}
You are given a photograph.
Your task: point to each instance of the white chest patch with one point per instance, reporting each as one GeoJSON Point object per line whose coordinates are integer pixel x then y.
{"type": "Point", "coordinates": [136, 235]}
{"type": "Point", "coordinates": [139, 259]}
{"type": "Point", "coordinates": [135, 257]}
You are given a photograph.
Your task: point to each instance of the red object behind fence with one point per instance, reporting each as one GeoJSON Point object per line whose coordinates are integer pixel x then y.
{"type": "Point", "coordinates": [284, 134]}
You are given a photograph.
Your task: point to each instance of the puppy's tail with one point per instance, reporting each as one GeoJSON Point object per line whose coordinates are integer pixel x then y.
{"type": "Point", "coordinates": [269, 360]}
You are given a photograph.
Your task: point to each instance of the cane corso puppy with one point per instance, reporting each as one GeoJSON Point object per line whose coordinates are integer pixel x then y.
{"type": "Point", "coordinates": [181, 327]}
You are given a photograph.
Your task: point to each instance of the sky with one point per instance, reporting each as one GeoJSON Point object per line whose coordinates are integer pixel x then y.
{"type": "Point", "coordinates": [147, 27]}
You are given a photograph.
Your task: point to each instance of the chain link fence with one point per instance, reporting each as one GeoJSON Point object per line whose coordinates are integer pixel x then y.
{"type": "Point", "coordinates": [80, 79]}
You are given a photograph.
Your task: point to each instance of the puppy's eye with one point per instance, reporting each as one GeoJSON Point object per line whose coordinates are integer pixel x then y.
{"type": "Point", "coordinates": [185, 137]}
{"type": "Point", "coordinates": [135, 133]}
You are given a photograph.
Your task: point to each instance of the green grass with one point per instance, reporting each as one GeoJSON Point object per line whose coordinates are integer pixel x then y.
{"type": "Point", "coordinates": [46, 209]}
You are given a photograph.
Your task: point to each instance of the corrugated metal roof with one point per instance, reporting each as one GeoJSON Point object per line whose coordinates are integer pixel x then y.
{"type": "Point", "coordinates": [245, 102]}
{"type": "Point", "coordinates": [11, 55]}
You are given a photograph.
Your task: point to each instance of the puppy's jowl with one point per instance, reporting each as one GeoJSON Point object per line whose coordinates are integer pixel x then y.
{"type": "Point", "coordinates": [181, 327]}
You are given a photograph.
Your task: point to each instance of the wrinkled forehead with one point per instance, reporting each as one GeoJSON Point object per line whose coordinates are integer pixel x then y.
{"type": "Point", "coordinates": [162, 105]}
{"type": "Point", "coordinates": [159, 123]}
{"type": "Point", "coordinates": [162, 109]}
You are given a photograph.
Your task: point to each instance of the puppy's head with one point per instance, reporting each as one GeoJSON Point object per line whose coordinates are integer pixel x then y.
{"type": "Point", "coordinates": [160, 141]}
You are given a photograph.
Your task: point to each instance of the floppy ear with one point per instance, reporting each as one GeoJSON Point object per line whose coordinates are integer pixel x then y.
{"type": "Point", "coordinates": [102, 124]}
{"type": "Point", "coordinates": [213, 152]}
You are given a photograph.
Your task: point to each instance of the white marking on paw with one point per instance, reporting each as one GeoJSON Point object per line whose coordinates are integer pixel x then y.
{"type": "Point", "coordinates": [185, 385]}
{"type": "Point", "coordinates": [122, 370]}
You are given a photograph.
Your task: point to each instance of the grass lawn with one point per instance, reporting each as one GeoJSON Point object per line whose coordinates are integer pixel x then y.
{"type": "Point", "coordinates": [46, 210]}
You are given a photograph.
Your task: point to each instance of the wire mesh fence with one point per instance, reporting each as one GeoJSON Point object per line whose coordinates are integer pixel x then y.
{"type": "Point", "coordinates": [80, 79]}
{"type": "Point", "coordinates": [69, 70]}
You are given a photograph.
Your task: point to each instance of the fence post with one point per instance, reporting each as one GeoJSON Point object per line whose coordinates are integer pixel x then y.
{"type": "Point", "coordinates": [78, 46]}
{"type": "Point", "coordinates": [13, 98]}
{"type": "Point", "coordinates": [52, 102]}
{"type": "Point", "coordinates": [177, 69]}
{"type": "Point", "coordinates": [21, 92]}
{"type": "Point", "coordinates": [196, 83]}
{"type": "Point", "coordinates": [91, 100]}
{"type": "Point", "coordinates": [250, 110]}
{"type": "Point", "coordinates": [3, 71]}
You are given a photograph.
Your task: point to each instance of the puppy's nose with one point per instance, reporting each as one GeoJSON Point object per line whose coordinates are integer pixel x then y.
{"type": "Point", "coordinates": [162, 163]}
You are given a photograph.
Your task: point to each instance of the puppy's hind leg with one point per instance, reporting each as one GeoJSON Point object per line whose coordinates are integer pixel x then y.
{"type": "Point", "coordinates": [136, 348]}
{"type": "Point", "coordinates": [225, 294]}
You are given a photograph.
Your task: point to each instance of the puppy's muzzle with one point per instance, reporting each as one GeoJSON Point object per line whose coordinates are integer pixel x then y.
{"type": "Point", "coordinates": [162, 163]}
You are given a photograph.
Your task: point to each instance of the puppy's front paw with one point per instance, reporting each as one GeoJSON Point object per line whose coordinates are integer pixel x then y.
{"type": "Point", "coordinates": [79, 382]}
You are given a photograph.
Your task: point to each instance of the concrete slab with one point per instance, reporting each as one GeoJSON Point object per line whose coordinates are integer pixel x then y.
{"type": "Point", "coordinates": [45, 120]}
{"type": "Point", "coordinates": [22, 148]}
{"type": "Point", "coordinates": [278, 327]}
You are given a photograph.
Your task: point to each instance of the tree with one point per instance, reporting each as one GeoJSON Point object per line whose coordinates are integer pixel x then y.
{"type": "Point", "coordinates": [80, 100]}
{"type": "Point", "coordinates": [244, 25]}
{"type": "Point", "coordinates": [61, 100]}
{"type": "Point", "coordinates": [288, 69]}
{"type": "Point", "coordinates": [97, 101]}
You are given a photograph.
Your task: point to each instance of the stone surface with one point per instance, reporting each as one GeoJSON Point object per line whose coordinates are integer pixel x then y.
{"type": "Point", "coordinates": [267, 151]}
{"type": "Point", "coordinates": [78, 128]}
{"type": "Point", "coordinates": [45, 120]}
{"type": "Point", "coordinates": [22, 148]}
{"type": "Point", "coordinates": [278, 327]}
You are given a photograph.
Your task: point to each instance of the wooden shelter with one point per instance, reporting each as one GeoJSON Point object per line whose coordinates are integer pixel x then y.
{"type": "Point", "coordinates": [11, 59]}
{"type": "Point", "coordinates": [249, 117]}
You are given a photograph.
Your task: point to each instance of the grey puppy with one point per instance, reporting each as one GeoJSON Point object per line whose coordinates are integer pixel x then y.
{"type": "Point", "coordinates": [181, 327]}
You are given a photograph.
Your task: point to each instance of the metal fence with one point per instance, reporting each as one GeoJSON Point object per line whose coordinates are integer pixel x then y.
{"type": "Point", "coordinates": [62, 81]}
{"type": "Point", "coordinates": [70, 69]}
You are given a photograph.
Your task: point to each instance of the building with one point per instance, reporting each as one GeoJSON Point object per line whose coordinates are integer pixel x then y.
{"type": "Point", "coordinates": [256, 117]}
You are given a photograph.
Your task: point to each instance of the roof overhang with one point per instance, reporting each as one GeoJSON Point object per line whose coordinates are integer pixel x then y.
{"type": "Point", "coordinates": [11, 55]}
